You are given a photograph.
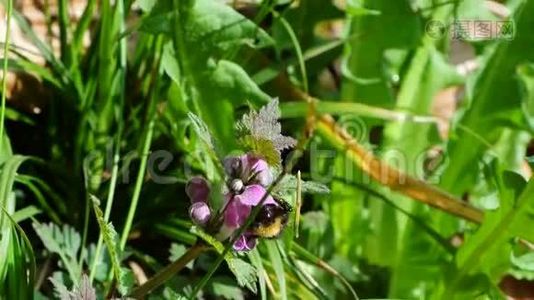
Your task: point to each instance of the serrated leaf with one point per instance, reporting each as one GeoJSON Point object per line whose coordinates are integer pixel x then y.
{"type": "Point", "coordinates": [170, 294]}
{"type": "Point", "coordinates": [110, 237]}
{"type": "Point", "coordinates": [264, 125]}
{"type": "Point", "coordinates": [83, 292]}
{"type": "Point", "coordinates": [260, 133]}
{"type": "Point", "coordinates": [223, 288]}
{"type": "Point", "coordinates": [126, 282]}
{"type": "Point", "coordinates": [244, 272]}
{"type": "Point", "coordinates": [63, 241]}
{"type": "Point", "coordinates": [488, 251]}
{"type": "Point", "coordinates": [263, 148]}
{"type": "Point", "coordinates": [289, 185]}
{"type": "Point", "coordinates": [522, 266]}
{"type": "Point", "coordinates": [60, 290]}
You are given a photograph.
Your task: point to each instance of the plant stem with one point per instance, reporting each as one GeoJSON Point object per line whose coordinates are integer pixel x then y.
{"type": "Point", "coordinates": [396, 180]}
{"type": "Point", "coordinates": [138, 184]}
{"type": "Point", "coordinates": [298, 50]}
{"type": "Point", "coordinates": [151, 117]}
{"type": "Point", "coordinates": [63, 12]}
{"type": "Point", "coordinates": [311, 258]}
{"type": "Point", "coordinates": [120, 125]}
{"type": "Point", "coordinates": [375, 168]}
{"type": "Point", "coordinates": [163, 275]}
{"type": "Point", "coordinates": [4, 71]}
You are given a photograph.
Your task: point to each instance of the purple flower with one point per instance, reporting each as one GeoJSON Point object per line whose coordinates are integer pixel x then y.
{"type": "Point", "coordinates": [238, 208]}
{"type": "Point", "coordinates": [245, 243]}
{"type": "Point", "coordinates": [247, 178]}
{"type": "Point", "coordinates": [249, 168]}
{"type": "Point", "coordinates": [249, 175]}
{"type": "Point", "coordinates": [198, 191]}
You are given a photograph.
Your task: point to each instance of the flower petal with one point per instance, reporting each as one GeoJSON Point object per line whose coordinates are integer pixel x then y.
{"type": "Point", "coordinates": [200, 213]}
{"type": "Point", "coordinates": [197, 189]}
{"type": "Point", "coordinates": [259, 167]}
{"type": "Point", "coordinates": [245, 243]}
{"type": "Point", "coordinates": [236, 213]}
{"type": "Point", "coordinates": [252, 196]}
{"type": "Point", "coordinates": [248, 167]}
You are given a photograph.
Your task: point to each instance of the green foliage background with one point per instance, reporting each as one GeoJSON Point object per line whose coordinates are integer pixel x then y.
{"type": "Point", "coordinates": [157, 74]}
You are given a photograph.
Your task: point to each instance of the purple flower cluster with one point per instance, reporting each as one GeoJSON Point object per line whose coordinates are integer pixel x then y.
{"type": "Point", "coordinates": [248, 177]}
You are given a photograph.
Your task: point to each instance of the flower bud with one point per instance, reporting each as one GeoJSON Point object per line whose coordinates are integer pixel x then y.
{"type": "Point", "coordinates": [197, 189]}
{"type": "Point", "coordinates": [200, 213]}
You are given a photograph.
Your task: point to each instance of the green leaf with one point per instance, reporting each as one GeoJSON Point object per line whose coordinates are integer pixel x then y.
{"type": "Point", "coordinates": [522, 266]}
{"type": "Point", "coordinates": [278, 266]}
{"type": "Point", "coordinates": [224, 288]}
{"type": "Point", "coordinates": [65, 242]}
{"type": "Point", "coordinates": [201, 129]}
{"type": "Point", "coordinates": [494, 102]}
{"type": "Point", "coordinates": [17, 268]}
{"type": "Point", "coordinates": [146, 5]}
{"type": "Point", "coordinates": [123, 276]}
{"type": "Point", "coordinates": [232, 82]}
{"type": "Point", "coordinates": [255, 259]}
{"type": "Point", "coordinates": [288, 185]}
{"type": "Point", "coordinates": [212, 28]}
{"type": "Point", "coordinates": [489, 250]}
{"type": "Point", "coordinates": [260, 132]}
{"type": "Point", "coordinates": [25, 213]}
{"type": "Point", "coordinates": [304, 18]}
{"type": "Point", "coordinates": [262, 147]}
{"type": "Point", "coordinates": [373, 35]}
{"type": "Point", "coordinates": [27, 66]}
{"type": "Point", "coordinates": [245, 273]}
{"type": "Point", "coordinates": [526, 74]}
{"type": "Point", "coordinates": [60, 290]}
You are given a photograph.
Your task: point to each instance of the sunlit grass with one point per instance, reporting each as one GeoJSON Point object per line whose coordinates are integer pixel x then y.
{"type": "Point", "coordinates": [413, 178]}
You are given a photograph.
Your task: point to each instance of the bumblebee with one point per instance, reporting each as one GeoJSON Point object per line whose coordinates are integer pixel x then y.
{"type": "Point", "coordinates": [271, 220]}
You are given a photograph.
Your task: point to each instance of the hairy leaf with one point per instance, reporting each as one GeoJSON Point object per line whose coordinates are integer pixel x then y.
{"type": "Point", "coordinates": [123, 276]}
{"type": "Point", "coordinates": [83, 292]}
{"type": "Point", "coordinates": [289, 185]}
{"type": "Point", "coordinates": [244, 272]}
{"type": "Point", "coordinates": [261, 133]}
{"type": "Point", "coordinates": [264, 125]}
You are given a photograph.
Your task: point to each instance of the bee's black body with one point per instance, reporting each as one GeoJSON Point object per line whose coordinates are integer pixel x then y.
{"type": "Point", "coordinates": [271, 220]}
